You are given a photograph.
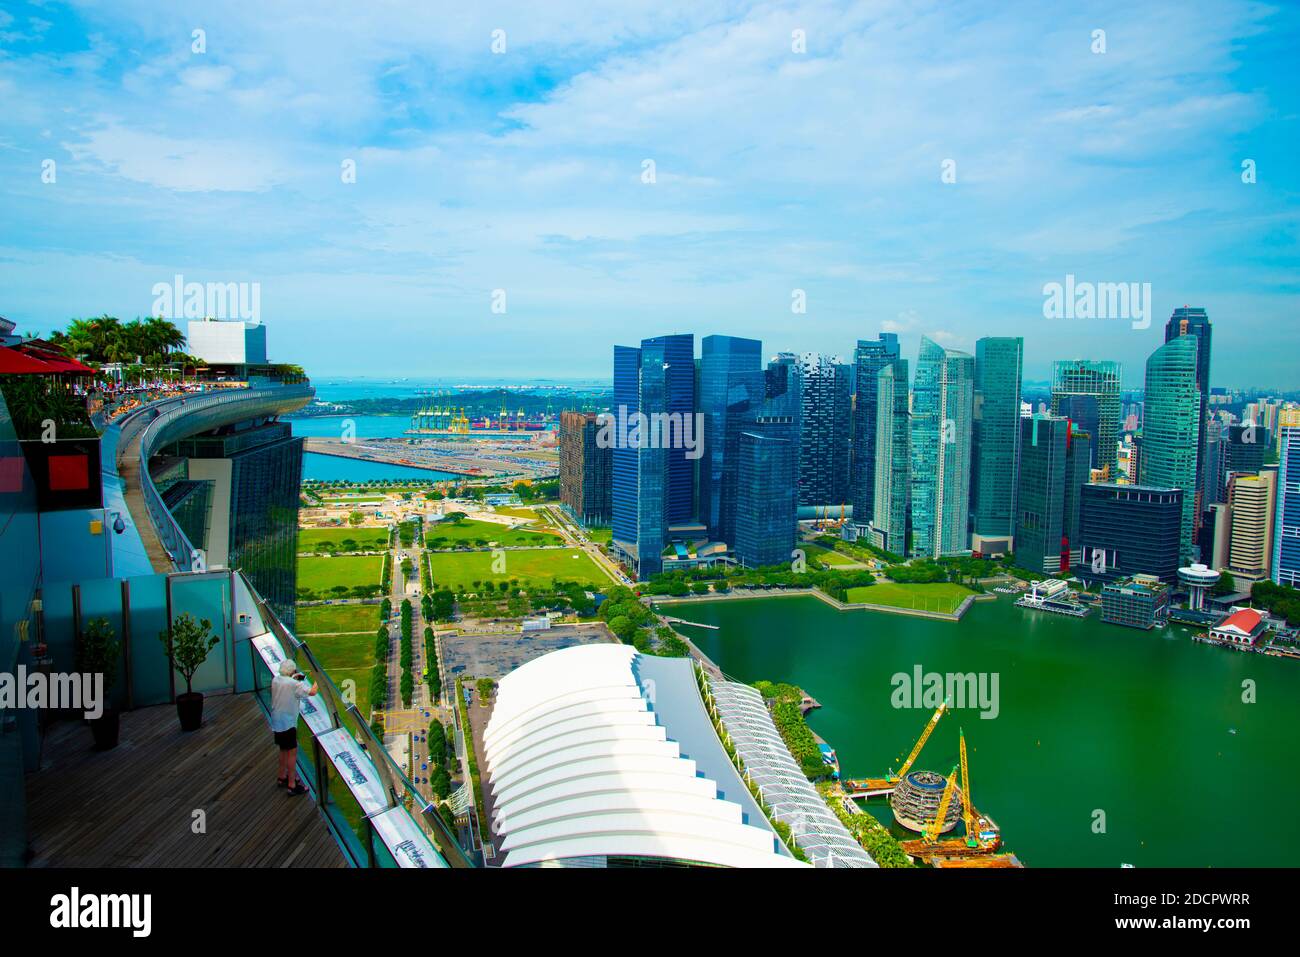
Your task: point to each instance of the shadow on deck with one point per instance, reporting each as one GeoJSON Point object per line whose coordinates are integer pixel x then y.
{"type": "Point", "coordinates": [135, 806]}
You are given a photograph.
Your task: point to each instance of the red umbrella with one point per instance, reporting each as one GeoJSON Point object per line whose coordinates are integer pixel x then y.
{"type": "Point", "coordinates": [13, 362]}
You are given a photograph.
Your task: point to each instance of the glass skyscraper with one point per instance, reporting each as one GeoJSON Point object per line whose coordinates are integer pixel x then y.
{"type": "Point", "coordinates": [868, 359]}
{"type": "Point", "coordinates": [1171, 419]}
{"type": "Point", "coordinates": [653, 486]}
{"type": "Point", "coordinates": [824, 388]}
{"type": "Point", "coordinates": [942, 400]}
{"type": "Point", "coordinates": [1087, 391]}
{"type": "Point", "coordinates": [1192, 321]}
{"type": "Point", "coordinates": [1286, 521]}
{"type": "Point", "coordinates": [721, 358]}
{"type": "Point", "coordinates": [995, 440]}
{"type": "Point", "coordinates": [894, 467]}
{"type": "Point", "coordinates": [1040, 501]}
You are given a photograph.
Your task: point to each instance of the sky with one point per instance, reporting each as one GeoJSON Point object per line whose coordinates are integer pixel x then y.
{"type": "Point", "coordinates": [609, 171]}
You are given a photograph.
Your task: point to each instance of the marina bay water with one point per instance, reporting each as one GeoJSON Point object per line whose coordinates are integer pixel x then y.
{"type": "Point", "coordinates": [1110, 745]}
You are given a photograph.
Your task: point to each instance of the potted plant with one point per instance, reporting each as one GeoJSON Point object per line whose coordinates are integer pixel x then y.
{"type": "Point", "coordinates": [187, 644]}
{"type": "Point", "coordinates": [98, 653]}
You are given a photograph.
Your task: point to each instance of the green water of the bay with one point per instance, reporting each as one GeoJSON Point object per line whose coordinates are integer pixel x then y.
{"type": "Point", "coordinates": [1111, 745]}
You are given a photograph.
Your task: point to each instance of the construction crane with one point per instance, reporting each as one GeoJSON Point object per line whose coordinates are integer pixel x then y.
{"type": "Point", "coordinates": [968, 809]}
{"type": "Point", "coordinates": [936, 827]}
{"type": "Point", "coordinates": [920, 743]}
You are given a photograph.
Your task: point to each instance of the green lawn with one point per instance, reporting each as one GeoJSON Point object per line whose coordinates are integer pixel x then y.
{"type": "Point", "coordinates": [469, 530]}
{"type": "Point", "coordinates": [530, 566]}
{"type": "Point", "coordinates": [328, 619]}
{"type": "Point", "coordinates": [602, 536]}
{"type": "Point", "coordinates": [516, 511]}
{"type": "Point", "coordinates": [816, 553]}
{"type": "Point", "coordinates": [322, 574]}
{"type": "Point", "coordinates": [346, 658]}
{"type": "Point", "coordinates": [362, 539]}
{"type": "Point", "coordinates": [934, 596]}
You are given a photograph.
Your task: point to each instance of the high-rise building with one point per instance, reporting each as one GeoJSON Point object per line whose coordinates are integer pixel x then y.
{"type": "Point", "coordinates": [1215, 430]}
{"type": "Point", "coordinates": [255, 472]}
{"type": "Point", "coordinates": [1193, 321]}
{"type": "Point", "coordinates": [586, 468]}
{"type": "Point", "coordinates": [1171, 420]}
{"type": "Point", "coordinates": [721, 357]}
{"type": "Point", "coordinates": [1086, 391]}
{"type": "Point", "coordinates": [654, 479]}
{"type": "Point", "coordinates": [1040, 500]}
{"type": "Point", "coordinates": [1129, 530]}
{"type": "Point", "coordinates": [1286, 516]}
{"type": "Point", "coordinates": [767, 464]}
{"type": "Point", "coordinates": [1078, 459]}
{"type": "Point", "coordinates": [824, 440]}
{"type": "Point", "coordinates": [995, 440]}
{"type": "Point", "coordinates": [1242, 448]}
{"type": "Point", "coordinates": [942, 400]}
{"type": "Point", "coordinates": [868, 359]}
{"type": "Point", "coordinates": [1252, 502]}
{"type": "Point", "coordinates": [894, 466]}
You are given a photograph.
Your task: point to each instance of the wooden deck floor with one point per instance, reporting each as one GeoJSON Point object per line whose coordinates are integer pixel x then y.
{"type": "Point", "coordinates": [134, 806]}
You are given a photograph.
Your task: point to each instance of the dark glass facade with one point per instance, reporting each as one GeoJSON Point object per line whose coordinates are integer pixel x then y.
{"type": "Point", "coordinates": [1040, 509]}
{"type": "Point", "coordinates": [995, 435]}
{"type": "Point", "coordinates": [868, 359]}
{"type": "Point", "coordinates": [1129, 530]}
{"type": "Point", "coordinates": [721, 357]}
{"type": "Point", "coordinates": [586, 469]}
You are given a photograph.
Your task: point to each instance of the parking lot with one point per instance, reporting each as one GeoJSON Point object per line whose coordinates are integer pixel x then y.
{"type": "Point", "coordinates": [497, 654]}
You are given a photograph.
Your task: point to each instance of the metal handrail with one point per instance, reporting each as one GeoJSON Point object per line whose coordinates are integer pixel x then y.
{"type": "Point", "coordinates": [159, 431]}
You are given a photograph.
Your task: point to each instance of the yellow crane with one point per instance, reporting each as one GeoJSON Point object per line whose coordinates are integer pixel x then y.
{"type": "Point", "coordinates": [936, 826]}
{"type": "Point", "coordinates": [920, 743]}
{"type": "Point", "coordinates": [968, 809]}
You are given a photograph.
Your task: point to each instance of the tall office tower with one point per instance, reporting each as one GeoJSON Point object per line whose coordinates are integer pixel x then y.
{"type": "Point", "coordinates": [1192, 321]}
{"type": "Point", "coordinates": [1171, 428]}
{"type": "Point", "coordinates": [654, 480]}
{"type": "Point", "coordinates": [1242, 448]}
{"type": "Point", "coordinates": [823, 441]}
{"type": "Point", "coordinates": [1078, 465]}
{"type": "Point", "coordinates": [842, 452]}
{"type": "Point", "coordinates": [1214, 432]}
{"type": "Point", "coordinates": [721, 357]}
{"type": "Point", "coordinates": [942, 400]}
{"type": "Point", "coordinates": [1218, 525]}
{"type": "Point", "coordinates": [995, 440]}
{"type": "Point", "coordinates": [1087, 391]}
{"type": "Point", "coordinates": [255, 472]}
{"type": "Point", "coordinates": [894, 466]}
{"type": "Point", "coordinates": [767, 464]}
{"type": "Point", "coordinates": [868, 359]}
{"type": "Point", "coordinates": [1040, 500]}
{"type": "Point", "coordinates": [586, 469]}
{"type": "Point", "coordinates": [1129, 530]}
{"type": "Point", "coordinates": [1286, 516]}
{"type": "Point", "coordinates": [1252, 502]}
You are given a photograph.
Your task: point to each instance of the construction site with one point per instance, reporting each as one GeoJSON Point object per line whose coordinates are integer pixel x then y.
{"type": "Point", "coordinates": [452, 422]}
{"type": "Point", "coordinates": [932, 804]}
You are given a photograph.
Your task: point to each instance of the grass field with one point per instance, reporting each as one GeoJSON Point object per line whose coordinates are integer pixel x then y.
{"type": "Point", "coordinates": [366, 539]}
{"type": "Point", "coordinates": [602, 536]}
{"type": "Point", "coordinates": [346, 658]}
{"type": "Point", "coordinates": [327, 619]}
{"type": "Point", "coordinates": [322, 574]}
{"type": "Point", "coordinates": [932, 596]}
{"type": "Point", "coordinates": [817, 553]}
{"type": "Point", "coordinates": [516, 511]}
{"type": "Point", "coordinates": [468, 530]}
{"type": "Point", "coordinates": [531, 567]}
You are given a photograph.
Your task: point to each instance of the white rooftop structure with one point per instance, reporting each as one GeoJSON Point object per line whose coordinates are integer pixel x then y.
{"type": "Point", "coordinates": [227, 341]}
{"type": "Point", "coordinates": [582, 766]}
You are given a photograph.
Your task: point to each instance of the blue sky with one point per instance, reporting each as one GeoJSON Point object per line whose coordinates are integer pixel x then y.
{"type": "Point", "coordinates": [775, 170]}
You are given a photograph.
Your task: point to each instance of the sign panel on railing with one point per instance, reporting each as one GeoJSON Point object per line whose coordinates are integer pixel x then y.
{"type": "Point", "coordinates": [355, 769]}
{"type": "Point", "coordinates": [404, 839]}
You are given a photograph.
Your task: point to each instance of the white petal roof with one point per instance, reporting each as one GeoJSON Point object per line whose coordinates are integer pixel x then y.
{"type": "Point", "coordinates": [579, 767]}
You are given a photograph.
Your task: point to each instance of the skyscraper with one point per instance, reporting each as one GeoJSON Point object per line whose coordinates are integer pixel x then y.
{"type": "Point", "coordinates": [942, 400]}
{"type": "Point", "coordinates": [1040, 500]}
{"type": "Point", "coordinates": [1078, 458]}
{"type": "Point", "coordinates": [824, 435]}
{"type": "Point", "coordinates": [1170, 428]}
{"type": "Point", "coordinates": [1252, 504]}
{"type": "Point", "coordinates": [1286, 517]}
{"type": "Point", "coordinates": [721, 357]}
{"type": "Point", "coordinates": [653, 485]}
{"type": "Point", "coordinates": [1087, 392]}
{"type": "Point", "coordinates": [1129, 530]}
{"type": "Point", "coordinates": [1191, 321]}
{"type": "Point", "coordinates": [1242, 448]}
{"type": "Point", "coordinates": [766, 446]}
{"type": "Point", "coordinates": [868, 359]}
{"type": "Point", "coordinates": [995, 439]}
{"type": "Point", "coordinates": [585, 469]}
{"type": "Point", "coordinates": [894, 466]}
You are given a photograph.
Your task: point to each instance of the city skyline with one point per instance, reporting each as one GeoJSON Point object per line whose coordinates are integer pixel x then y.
{"type": "Point", "coordinates": [781, 179]}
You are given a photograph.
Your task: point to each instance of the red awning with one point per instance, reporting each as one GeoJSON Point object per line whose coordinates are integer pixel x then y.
{"type": "Point", "coordinates": [56, 362]}
{"type": "Point", "coordinates": [13, 362]}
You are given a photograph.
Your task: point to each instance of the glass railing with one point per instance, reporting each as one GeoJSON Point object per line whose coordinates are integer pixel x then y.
{"type": "Point", "coordinates": [366, 816]}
